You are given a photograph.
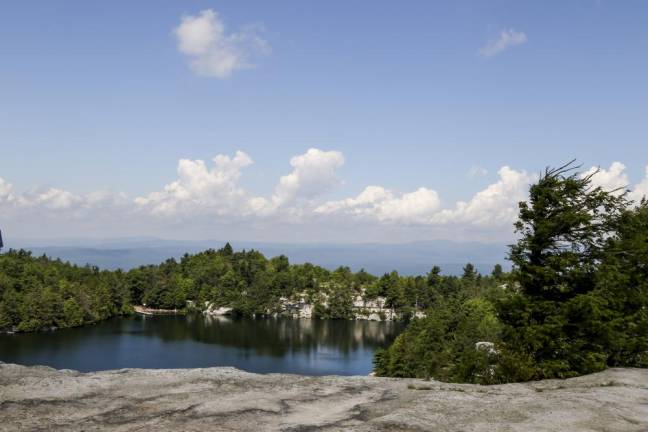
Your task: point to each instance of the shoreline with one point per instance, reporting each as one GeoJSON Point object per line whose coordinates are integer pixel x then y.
{"type": "Point", "coordinates": [140, 310]}
{"type": "Point", "coordinates": [228, 399]}
{"type": "Point", "coordinates": [143, 310]}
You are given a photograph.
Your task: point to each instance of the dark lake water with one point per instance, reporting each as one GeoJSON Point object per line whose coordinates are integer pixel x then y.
{"type": "Point", "coordinates": [301, 346]}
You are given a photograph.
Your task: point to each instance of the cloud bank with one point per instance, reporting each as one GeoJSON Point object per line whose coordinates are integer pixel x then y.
{"type": "Point", "coordinates": [379, 204]}
{"type": "Point", "coordinates": [207, 195]}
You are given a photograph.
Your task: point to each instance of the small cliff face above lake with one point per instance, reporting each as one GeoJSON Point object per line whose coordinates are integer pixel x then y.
{"type": "Point", "coordinates": [226, 399]}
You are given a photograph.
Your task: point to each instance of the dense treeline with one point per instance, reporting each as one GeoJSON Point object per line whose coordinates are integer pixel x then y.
{"type": "Point", "coordinates": [39, 293]}
{"type": "Point", "coordinates": [576, 301]}
{"type": "Point", "coordinates": [442, 345]}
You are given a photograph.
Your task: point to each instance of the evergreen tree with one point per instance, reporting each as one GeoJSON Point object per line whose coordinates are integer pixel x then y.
{"type": "Point", "coordinates": [564, 228]}
{"type": "Point", "coordinates": [227, 250]}
{"type": "Point", "coordinates": [622, 284]}
{"type": "Point", "coordinates": [497, 272]}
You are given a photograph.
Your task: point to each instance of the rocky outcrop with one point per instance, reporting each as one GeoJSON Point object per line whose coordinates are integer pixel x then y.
{"type": "Point", "coordinates": [226, 399]}
{"type": "Point", "coordinates": [151, 311]}
{"type": "Point", "coordinates": [364, 309]}
{"type": "Point", "coordinates": [299, 306]}
{"type": "Point", "coordinates": [212, 310]}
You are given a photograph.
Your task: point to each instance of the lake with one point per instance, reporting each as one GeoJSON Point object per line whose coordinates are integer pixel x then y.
{"type": "Point", "coordinates": [277, 345]}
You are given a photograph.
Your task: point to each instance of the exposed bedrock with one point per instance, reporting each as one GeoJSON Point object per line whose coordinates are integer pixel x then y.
{"type": "Point", "coordinates": [226, 399]}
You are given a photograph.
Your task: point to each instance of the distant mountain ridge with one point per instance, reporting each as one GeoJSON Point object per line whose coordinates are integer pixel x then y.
{"type": "Point", "coordinates": [377, 258]}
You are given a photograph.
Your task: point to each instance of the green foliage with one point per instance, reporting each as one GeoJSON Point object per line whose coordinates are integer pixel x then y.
{"type": "Point", "coordinates": [73, 313]}
{"type": "Point", "coordinates": [563, 229]}
{"type": "Point", "coordinates": [469, 272]}
{"type": "Point", "coordinates": [576, 301]}
{"type": "Point", "coordinates": [497, 272]}
{"type": "Point", "coordinates": [442, 345]}
{"type": "Point", "coordinates": [577, 260]}
{"type": "Point", "coordinates": [40, 293]}
{"type": "Point", "coordinates": [622, 286]}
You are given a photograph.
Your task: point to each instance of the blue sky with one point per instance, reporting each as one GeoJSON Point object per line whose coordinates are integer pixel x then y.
{"type": "Point", "coordinates": [101, 96]}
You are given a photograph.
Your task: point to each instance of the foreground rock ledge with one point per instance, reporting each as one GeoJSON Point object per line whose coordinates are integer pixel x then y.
{"type": "Point", "coordinates": [226, 399]}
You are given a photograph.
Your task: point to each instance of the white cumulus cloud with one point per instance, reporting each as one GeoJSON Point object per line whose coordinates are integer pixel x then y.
{"type": "Point", "coordinates": [203, 191]}
{"type": "Point", "coordinates": [52, 199]}
{"type": "Point", "coordinates": [616, 179]}
{"type": "Point", "coordinates": [497, 205]}
{"type": "Point", "coordinates": [613, 178]}
{"type": "Point", "coordinates": [640, 190]}
{"type": "Point", "coordinates": [200, 190]}
{"type": "Point", "coordinates": [314, 173]}
{"type": "Point", "coordinates": [211, 50]}
{"type": "Point", "coordinates": [380, 204]}
{"type": "Point", "coordinates": [506, 39]}
{"type": "Point", "coordinates": [52, 209]}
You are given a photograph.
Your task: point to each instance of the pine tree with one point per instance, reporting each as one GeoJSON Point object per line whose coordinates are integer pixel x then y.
{"type": "Point", "coordinates": [497, 272]}
{"type": "Point", "coordinates": [469, 272]}
{"type": "Point", "coordinates": [564, 228]}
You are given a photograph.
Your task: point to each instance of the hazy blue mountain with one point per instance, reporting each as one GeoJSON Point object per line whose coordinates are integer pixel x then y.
{"type": "Point", "coordinates": [377, 258]}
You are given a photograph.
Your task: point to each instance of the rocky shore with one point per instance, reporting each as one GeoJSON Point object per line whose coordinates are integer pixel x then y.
{"type": "Point", "coordinates": [374, 309]}
{"type": "Point", "coordinates": [226, 399]}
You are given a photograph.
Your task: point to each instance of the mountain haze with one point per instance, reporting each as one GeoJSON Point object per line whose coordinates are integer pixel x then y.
{"type": "Point", "coordinates": [407, 258]}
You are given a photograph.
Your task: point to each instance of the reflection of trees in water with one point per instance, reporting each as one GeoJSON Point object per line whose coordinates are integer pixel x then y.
{"type": "Point", "coordinates": [268, 336]}
{"type": "Point", "coordinates": [274, 336]}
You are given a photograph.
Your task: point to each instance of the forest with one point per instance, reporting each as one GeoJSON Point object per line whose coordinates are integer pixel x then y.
{"type": "Point", "coordinates": [575, 302]}
{"type": "Point", "coordinates": [42, 293]}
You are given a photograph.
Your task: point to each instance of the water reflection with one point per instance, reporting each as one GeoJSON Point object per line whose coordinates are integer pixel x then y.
{"type": "Point", "coordinates": [273, 337]}
{"type": "Point", "coordinates": [258, 345]}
